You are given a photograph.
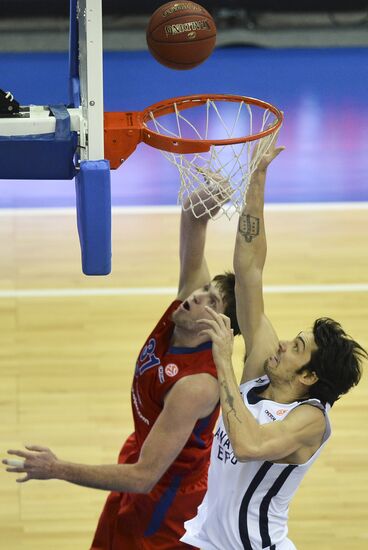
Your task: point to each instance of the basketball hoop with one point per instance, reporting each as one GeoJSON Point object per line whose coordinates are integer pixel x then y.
{"type": "Point", "coordinates": [215, 141]}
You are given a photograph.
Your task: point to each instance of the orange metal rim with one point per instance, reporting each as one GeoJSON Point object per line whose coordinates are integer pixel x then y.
{"type": "Point", "coordinates": [166, 106]}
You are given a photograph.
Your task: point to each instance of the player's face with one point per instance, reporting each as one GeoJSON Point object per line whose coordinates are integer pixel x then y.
{"type": "Point", "coordinates": [290, 357]}
{"type": "Point", "coordinates": [193, 308]}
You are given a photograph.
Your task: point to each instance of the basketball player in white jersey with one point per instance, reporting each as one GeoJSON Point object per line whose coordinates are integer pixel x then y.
{"type": "Point", "coordinates": [274, 428]}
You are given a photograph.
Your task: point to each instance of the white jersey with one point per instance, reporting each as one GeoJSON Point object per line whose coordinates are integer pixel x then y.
{"type": "Point", "coordinates": [246, 504]}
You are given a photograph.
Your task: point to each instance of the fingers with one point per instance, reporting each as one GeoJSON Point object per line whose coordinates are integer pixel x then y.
{"type": "Point", "coordinates": [37, 448]}
{"type": "Point", "coordinates": [25, 454]}
{"type": "Point", "coordinates": [27, 462]}
{"type": "Point", "coordinates": [213, 329]}
{"type": "Point", "coordinates": [277, 151]}
{"type": "Point", "coordinates": [23, 479]}
{"type": "Point", "coordinates": [207, 332]}
{"type": "Point", "coordinates": [15, 466]}
{"type": "Point", "coordinates": [13, 463]}
{"type": "Point", "coordinates": [217, 326]}
{"type": "Point", "coordinates": [22, 454]}
{"type": "Point", "coordinates": [19, 470]}
{"type": "Point", "coordinates": [219, 317]}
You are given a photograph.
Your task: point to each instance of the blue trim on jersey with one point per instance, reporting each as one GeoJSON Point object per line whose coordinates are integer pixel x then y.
{"type": "Point", "coordinates": [162, 507]}
{"type": "Point", "coordinates": [202, 425]}
{"type": "Point", "coordinates": [263, 509]}
{"type": "Point", "coordinates": [254, 397]}
{"type": "Point", "coordinates": [243, 511]}
{"type": "Point", "coordinates": [180, 350]}
{"type": "Point", "coordinates": [265, 504]}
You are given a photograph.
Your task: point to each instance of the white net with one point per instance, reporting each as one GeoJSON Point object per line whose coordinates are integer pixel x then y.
{"type": "Point", "coordinates": [215, 182]}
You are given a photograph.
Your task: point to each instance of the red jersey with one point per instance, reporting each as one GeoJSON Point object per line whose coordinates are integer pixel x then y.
{"type": "Point", "coordinates": [155, 521]}
{"type": "Point", "coordinates": [159, 366]}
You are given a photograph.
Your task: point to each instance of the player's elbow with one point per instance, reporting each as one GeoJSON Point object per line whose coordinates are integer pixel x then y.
{"type": "Point", "coordinates": [147, 483]}
{"type": "Point", "coordinates": [248, 452]}
{"type": "Point", "coordinates": [143, 486]}
{"type": "Point", "coordinates": [143, 480]}
{"type": "Point", "coordinates": [147, 487]}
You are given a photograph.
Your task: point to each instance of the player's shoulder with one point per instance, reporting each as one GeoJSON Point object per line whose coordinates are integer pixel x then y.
{"type": "Point", "coordinates": [309, 417]}
{"type": "Point", "coordinates": [198, 391]}
{"type": "Point", "coordinates": [197, 384]}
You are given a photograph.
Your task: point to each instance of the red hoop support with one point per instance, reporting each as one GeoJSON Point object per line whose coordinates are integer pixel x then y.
{"type": "Point", "coordinates": [125, 130]}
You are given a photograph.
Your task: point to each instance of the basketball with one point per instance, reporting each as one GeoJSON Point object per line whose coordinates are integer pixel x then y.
{"type": "Point", "coordinates": [181, 35]}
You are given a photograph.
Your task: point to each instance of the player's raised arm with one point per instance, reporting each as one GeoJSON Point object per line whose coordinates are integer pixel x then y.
{"type": "Point", "coordinates": [249, 259]}
{"type": "Point", "coordinates": [194, 272]}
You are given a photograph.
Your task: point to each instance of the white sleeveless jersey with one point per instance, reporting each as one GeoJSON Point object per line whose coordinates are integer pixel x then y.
{"type": "Point", "coordinates": [246, 504]}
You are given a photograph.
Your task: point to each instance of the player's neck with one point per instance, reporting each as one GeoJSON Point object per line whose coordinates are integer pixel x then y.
{"type": "Point", "coordinates": [185, 338]}
{"type": "Point", "coordinates": [283, 394]}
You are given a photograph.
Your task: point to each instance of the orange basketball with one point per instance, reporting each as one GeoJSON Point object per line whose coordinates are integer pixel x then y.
{"type": "Point", "coordinates": [181, 35]}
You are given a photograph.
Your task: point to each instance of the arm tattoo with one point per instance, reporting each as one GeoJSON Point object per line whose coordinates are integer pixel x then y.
{"type": "Point", "coordinates": [248, 227]}
{"type": "Point", "coordinates": [230, 401]}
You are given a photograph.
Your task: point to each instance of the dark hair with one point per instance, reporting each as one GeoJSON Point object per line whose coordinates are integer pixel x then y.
{"type": "Point", "coordinates": [226, 285]}
{"type": "Point", "coordinates": [336, 362]}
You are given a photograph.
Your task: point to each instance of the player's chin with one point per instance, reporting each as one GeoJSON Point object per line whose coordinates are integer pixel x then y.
{"type": "Point", "coordinates": [175, 314]}
{"type": "Point", "coordinates": [268, 366]}
{"type": "Point", "coordinates": [181, 319]}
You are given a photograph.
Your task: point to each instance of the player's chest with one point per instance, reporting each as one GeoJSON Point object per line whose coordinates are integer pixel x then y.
{"type": "Point", "coordinates": [155, 362]}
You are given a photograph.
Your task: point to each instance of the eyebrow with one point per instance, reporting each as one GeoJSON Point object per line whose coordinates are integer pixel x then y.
{"type": "Point", "coordinates": [209, 287]}
{"type": "Point", "coordinates": [302, 341]}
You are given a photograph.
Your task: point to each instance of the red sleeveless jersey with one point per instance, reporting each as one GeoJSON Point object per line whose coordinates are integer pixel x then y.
{"type": "Point", "coordinates": [159, 366]}
{"type": "Point", "coordinates": [155, 521]}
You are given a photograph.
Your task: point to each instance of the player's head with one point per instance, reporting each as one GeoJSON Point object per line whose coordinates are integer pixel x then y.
{"type": "Point", "coordinates": [226, 285]}
{"type": "Point", "coordinates": [217, 294]}
{"type": "Point", "coordinates": [336, 361]}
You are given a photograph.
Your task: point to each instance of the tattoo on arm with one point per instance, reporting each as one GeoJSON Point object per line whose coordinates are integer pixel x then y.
{"type": "Point", "coordinates": [230, 401]}
{"type": "Point", "coordinates": [249, 227]}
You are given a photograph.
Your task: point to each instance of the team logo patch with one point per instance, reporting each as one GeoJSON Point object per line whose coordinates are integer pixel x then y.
{"type": "Point", "coordinates": [171, 370]}
{"type": "Point", "coordinates": [281, 411]}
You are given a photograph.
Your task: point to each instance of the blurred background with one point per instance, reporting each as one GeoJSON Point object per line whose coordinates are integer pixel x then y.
{"type": "Point", "coordinates": [43, 24]}
{"type": "Point", "coordinates": [309, 60]}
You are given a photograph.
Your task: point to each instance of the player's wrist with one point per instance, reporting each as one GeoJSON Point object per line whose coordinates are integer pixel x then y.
{"type": "Point", "coordinates": [61, 470]}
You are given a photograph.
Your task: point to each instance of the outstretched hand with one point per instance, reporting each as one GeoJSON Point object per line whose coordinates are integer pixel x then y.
{"type": "Point", "coordinates": [37, 463]}
{"type": "Point", "coordinates": [271, 153]}
{"type": "Point", "coordinates": [220, 332]}
{"type": "Point", "coordinates": [213, 191]}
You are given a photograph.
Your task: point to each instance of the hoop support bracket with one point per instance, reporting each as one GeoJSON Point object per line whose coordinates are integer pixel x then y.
{"type": "Point", "coordinates": [123, 132]}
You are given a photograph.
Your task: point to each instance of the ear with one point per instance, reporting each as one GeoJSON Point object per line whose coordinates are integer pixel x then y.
{"type": "Point", "coordinates": [308, 378]}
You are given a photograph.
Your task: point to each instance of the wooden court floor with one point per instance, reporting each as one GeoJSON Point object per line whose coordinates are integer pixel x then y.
{"type": "Point", "coordinates": [66, 361]}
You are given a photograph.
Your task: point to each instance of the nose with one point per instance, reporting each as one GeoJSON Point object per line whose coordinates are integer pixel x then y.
{"type": "Point", "coordinates": [282, 346]}
{"type": "Point", "coordinates": [196, 299]}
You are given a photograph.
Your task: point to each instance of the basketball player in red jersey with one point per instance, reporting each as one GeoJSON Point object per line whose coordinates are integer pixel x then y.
{"type": "Point", "coordinates": [161, 477]}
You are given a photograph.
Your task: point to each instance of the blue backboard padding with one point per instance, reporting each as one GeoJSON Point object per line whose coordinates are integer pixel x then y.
{"type": "Point", "coordinates": [38, 157]}
{"type": "Point", "coordinates": [41, 156]}
{"type": "Point", "coordinates": [93, 192]}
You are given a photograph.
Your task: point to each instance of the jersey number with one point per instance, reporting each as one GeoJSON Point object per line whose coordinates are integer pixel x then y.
{"type": "Point", "coordinates": [147, 358]}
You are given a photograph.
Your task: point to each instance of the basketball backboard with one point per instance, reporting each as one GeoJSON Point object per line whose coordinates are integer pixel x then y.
{"type": "Point", "coordinates": [89, 18]}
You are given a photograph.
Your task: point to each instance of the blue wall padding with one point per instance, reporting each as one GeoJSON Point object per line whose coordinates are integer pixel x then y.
{"type": "Point", "coordinates": [93, 192]}
{"type": "Point", "coordinates": [41, 156]}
